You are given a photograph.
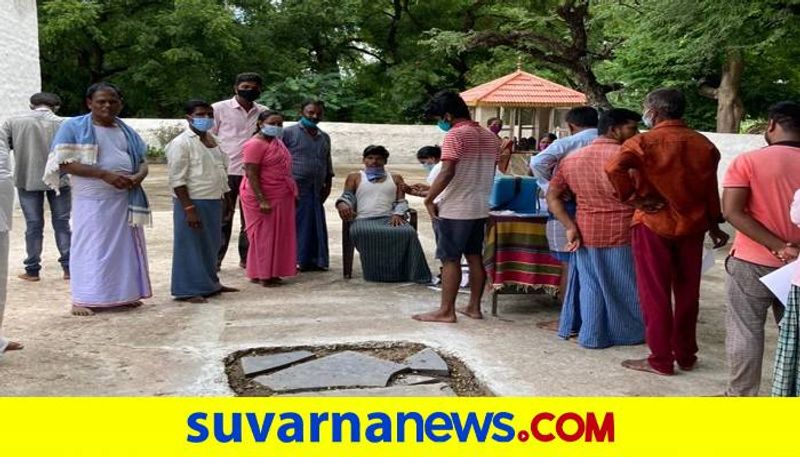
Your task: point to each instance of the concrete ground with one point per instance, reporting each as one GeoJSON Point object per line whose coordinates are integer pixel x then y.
{"type": "Point", "coordinates": [173, 348]}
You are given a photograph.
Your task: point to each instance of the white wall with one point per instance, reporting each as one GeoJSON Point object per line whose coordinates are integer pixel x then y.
{"type": "Point", "coordinates": [731, 144]}
{"type": "Point", "coordinates": [19, 55]}
{"type": "Point", "coordinates": [349, 140]}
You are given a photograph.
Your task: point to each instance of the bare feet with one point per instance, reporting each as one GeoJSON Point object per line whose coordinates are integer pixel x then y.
{"type": "Point", "coordinates": [81, 311]}
{"type": "Point", "coordinates": [242, 265]}
{"type": "Point", "coordinates": [436, 316]}
{"type": "Point", "coordinates": [27, 277]}
{"type": "Point", "coordinates": [195, 299]}
{"type": "Point", "coordinates": [272, 282]}
{"type": "Point", "coordinates": [550, 326]}
{"type": "Point", "coordinates": [469, 312]}
{"type": "Point", "coordinates": [12, 346]}
{"type": "Point", "coordinates": [641, 365]}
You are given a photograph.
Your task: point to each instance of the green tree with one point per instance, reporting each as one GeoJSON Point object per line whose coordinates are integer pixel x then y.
{"type": "Point", "coordinates": [736, 54]}
{"type": "Point", "coordinates": [561, 36]}
{"type": "Point", "coordinates": [160, 52]}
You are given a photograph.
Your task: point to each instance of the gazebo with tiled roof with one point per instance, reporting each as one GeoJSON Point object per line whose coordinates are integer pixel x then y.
{"type": "Point", "coordinates": [525, 102]}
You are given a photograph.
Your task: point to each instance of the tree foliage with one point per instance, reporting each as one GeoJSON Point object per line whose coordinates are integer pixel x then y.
{"type": "Point", "coordinates": [380, 60]}
{"type": "Point", "coordinates": [686, 43]}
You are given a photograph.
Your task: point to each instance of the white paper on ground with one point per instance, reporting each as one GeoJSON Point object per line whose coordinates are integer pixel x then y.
{"type": "Point", "coordinates": [709, 260]}
{"type": "Point", "coordinates": [779, 282]}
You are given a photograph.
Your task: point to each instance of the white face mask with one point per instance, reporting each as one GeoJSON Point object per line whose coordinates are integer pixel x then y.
{"type": "Point", "coordinates": [275, 131]}
{"type": "Point", "coordinates": [647, 119]}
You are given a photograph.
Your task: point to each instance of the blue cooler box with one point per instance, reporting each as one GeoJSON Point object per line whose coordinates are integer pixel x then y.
{"type": "Point", "coordinates": [519, 194]}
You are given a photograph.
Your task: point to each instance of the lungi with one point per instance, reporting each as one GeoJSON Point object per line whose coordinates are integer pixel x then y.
{"type": "Point", "coordinates": [194, 251]}
{"type": "Point", "coordinates": [786, 374]}
{"type": "Point", "coordinates": [604, 284]}
{"type": "Point", "coordinates": [389, 254]}
{"type": "Point", "coordinates": [312, 230]}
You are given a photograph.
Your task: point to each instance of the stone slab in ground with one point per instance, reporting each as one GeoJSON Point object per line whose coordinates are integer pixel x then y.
{"type": "Point", "coordinates": [414, 380]}
{"type": "Point", "coordinates": [429, 362]}
{"type": "Point", "coordinates": [256, 364]}
{"type": "Point", "coordinates": [424, 390]}
{"type": "Point", "coordinates": [341, 370]}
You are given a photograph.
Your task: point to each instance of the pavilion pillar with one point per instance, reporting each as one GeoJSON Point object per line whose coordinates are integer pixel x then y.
{"type": "Point", "coordinates": [514, 117]}
{"type": "Point", "coordinates": [543, 121]}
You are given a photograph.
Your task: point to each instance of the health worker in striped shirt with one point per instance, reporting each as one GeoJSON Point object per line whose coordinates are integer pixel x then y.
{"type": "Point", "coordinates": [600, 237]}
{"type": "Point", "coordinates": [458, 202]}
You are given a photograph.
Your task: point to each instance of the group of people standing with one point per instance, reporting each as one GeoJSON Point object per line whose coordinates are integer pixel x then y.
{"type": "Point", "coordinates": [630, 212]}
{"type": "Point", "coordinates": [234, 151]}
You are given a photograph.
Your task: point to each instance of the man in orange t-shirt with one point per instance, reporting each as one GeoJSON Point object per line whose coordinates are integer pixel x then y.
{"type": "Point", "coordinates": [670, 175]}
{"type": "Point", "coordinates": [759, 187]}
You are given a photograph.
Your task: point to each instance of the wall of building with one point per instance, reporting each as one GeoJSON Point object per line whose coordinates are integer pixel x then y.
{"type": "Point", "coordinates": [349, 140]}
{"type": "Point", "coordinates": [19, 55]}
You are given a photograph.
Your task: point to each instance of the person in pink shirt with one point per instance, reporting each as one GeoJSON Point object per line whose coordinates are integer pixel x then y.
{"type": "Point", "coordinates": [268, 195]}
{"type": "Point", "coordinates": [758, 188]}
{"type": "Point", "coordinates": [234, 124]}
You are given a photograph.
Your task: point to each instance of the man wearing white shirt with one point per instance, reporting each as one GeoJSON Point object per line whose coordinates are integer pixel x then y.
{"type": "Point", "coordinates": [199, 181]}
{"type": "Point", "coordinates": [6, 204]}
{"type": "Point", "coordinates": [29, 135]}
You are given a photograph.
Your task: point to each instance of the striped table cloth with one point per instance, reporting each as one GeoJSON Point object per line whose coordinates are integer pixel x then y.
{"type": "Point", "coordinates": [516, 254]}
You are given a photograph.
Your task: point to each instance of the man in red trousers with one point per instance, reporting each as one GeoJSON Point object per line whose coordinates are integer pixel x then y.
{"type": "Point", "coordinates": [670, 175]}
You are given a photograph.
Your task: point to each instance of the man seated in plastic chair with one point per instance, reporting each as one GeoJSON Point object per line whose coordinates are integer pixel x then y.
{"type": "Point", "coordinates": [374, 201]}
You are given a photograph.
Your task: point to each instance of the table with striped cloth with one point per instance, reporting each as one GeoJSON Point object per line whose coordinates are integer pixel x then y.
{"type": "Point", "coordinates": [517, 257]}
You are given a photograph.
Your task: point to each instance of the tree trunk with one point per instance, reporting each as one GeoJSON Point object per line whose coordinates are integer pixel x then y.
{"type": "Point", "coordinates": [730, 109]}
{"type": "Point", "coordinates": [596, 93]}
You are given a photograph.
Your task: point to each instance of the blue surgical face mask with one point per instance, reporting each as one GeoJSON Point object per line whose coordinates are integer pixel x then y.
{"type": "Point", "coordinates": [275, 131]}
{"type": "Point", "coordinates": [375, 173]}
{"type": "Point", "coordinates": [202, 124]}
{"type": "Point", "coordinates": [428, 167]}
{"type": "Point", "coordinates": [308, 123]}
{"type": "Point", "coordinates": [444, 125]}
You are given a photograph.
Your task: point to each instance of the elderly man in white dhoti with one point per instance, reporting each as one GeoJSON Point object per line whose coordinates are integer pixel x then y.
{"type": "Point", "coordinates": [6, 204]}
{"type": "Point", "coordinates": [105, 159]}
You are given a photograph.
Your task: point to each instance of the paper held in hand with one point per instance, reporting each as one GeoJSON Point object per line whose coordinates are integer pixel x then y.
{"type": "Point", "coordinates": [779, 282]}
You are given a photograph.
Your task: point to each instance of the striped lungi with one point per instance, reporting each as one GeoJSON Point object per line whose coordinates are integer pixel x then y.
{"type": "Point", "coordinates": [388, 253]}
{"type": "Point", "coordinates": [603, 282]}
{"type": "Point", "coordinates": [786, 373]}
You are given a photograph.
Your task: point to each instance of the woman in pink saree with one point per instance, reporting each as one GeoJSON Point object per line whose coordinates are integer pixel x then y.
{"type": "Point", "coordinates": [268, 195]}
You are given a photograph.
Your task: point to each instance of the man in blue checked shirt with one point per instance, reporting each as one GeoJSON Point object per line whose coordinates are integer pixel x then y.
{"type": "Point", "coordinates": [582, 123]}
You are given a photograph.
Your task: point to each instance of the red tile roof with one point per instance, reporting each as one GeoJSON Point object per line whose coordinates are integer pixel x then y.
{"type": "Point", "coordinates": [522, 89]}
